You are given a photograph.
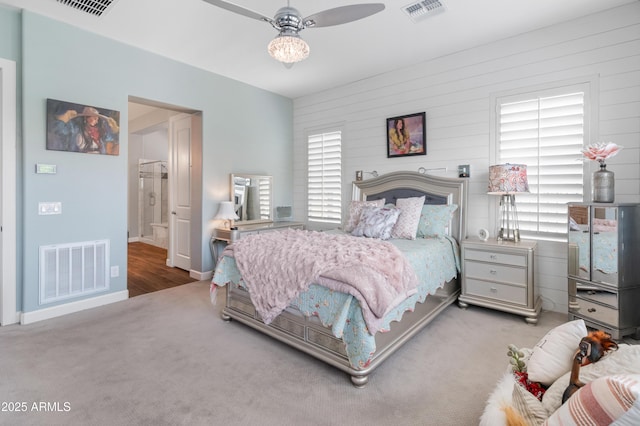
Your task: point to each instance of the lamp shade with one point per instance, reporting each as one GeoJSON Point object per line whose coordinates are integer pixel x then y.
{"type": "Point", "coordinates": [226, 211]}
{"type": "Point", "coordinates": [508, 179]}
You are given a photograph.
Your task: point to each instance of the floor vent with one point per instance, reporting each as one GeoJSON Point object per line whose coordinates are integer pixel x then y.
{"type": "Point", "coordinates": [420, 10]}
{"type": "Point", "coordinates": [72, 270]}
{"type": "Point", "coordinates": [92, 7]}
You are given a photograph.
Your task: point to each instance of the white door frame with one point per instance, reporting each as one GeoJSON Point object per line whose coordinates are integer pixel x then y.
{"type": "Point", "coordinates": [8, 284]}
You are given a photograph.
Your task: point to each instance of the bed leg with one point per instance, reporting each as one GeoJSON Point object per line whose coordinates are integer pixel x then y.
{"type": "Point", "coordinates": [359, 381]}
{"type": "Point", "coordinates": [225, 317]}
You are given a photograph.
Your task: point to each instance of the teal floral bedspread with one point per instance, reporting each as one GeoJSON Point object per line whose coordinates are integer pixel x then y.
{"type": "Point", "coordinates": [435, 261]}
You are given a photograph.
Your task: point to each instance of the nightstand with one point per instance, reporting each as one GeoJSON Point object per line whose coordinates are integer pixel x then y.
{"type": "Point", "coordinates": [500, 275]}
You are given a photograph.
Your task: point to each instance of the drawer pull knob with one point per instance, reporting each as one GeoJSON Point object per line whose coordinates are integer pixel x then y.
{"type": "Point", "coordinates": [493, 256]}
{"type": "Point", "coordinates": [591, 310]}
{"type": "Point", "coordinates": [493, 272]}
{"type": "Point", "coordinates": [494, 290]}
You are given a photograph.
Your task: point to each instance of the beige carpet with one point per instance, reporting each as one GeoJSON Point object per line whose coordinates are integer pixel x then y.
{"type": "Point", "coordinates": [166, 358]}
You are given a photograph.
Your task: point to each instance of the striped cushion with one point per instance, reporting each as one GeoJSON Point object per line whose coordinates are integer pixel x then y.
{"type": "Point", "coordinates": [528, 406]}
{"type": "Point", "coordinates": [604, 401]}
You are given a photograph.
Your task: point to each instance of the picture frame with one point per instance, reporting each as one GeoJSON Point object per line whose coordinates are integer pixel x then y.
{"type": "Point", "coordinates": [406, 135]}
{"type": "Point", "coordinates": [82, 128]}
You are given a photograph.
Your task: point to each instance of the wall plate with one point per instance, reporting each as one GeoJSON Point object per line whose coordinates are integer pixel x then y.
{"type": "Point", "coordinates": [49, 169]}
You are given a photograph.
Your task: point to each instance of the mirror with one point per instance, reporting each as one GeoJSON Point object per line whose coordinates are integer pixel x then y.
{"type": "Point", "coordinates": [252, 198]}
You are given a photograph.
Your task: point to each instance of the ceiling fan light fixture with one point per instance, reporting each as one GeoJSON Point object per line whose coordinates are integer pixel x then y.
{"type": "Point", "coordinates": [288, 48]}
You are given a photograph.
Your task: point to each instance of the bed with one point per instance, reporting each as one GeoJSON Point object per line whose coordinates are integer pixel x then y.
{"type": "Point", "coordinates": [334, 326]}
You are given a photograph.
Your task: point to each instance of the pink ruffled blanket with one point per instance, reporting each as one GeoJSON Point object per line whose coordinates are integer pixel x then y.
{"type": "Point", "coordinates": [277, 266]}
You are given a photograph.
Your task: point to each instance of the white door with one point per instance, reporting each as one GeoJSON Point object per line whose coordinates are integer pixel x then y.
{"type": "Point", "coordinates": [180, 192]}
{"type": "Point", "coordinates": [8, 236]}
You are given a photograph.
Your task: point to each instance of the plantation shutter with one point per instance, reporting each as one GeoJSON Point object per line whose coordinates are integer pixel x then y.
{"type": "Point", "coordinates": [325, 177]}
{"type": "Point", "coordinates": [264, 189]}
{"type": "Point", "coordinates": [546, 134]}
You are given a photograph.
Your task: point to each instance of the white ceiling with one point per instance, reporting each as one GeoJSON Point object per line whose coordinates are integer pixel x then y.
{"type": "Point", "coordinates": [197, 33]}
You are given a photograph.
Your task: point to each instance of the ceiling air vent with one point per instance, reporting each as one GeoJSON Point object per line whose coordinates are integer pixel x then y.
{"type": "Point", "coordinates": [92, 7]}
{"type": "Point", "coordinates": [420, 10]}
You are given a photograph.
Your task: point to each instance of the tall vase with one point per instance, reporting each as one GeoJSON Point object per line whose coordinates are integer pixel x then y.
{"type": "Point", "coordinates": [603, 185]}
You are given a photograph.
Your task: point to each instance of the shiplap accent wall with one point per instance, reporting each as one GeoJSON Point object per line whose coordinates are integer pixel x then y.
{"type": "Point", "coordinates": [456, 91]}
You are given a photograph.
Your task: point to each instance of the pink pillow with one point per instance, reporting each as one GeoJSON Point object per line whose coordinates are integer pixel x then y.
{"type": "Point", "coordinates": [407, 225]}
{"type": "Point", "coordinates": [604, 401]}
{"type": "Point", "coordinates": [355, 208]}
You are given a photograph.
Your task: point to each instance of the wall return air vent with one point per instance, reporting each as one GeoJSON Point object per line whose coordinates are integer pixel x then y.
{"type": "Point", "coordinates": [420, 10]}
{"type": "Point", "coordinates": [92, 7]}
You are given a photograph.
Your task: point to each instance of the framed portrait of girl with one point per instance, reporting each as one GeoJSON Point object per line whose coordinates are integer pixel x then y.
{"type": "Point", "coordinates": [406, 135]}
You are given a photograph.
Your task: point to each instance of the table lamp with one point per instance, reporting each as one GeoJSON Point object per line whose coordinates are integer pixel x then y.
{"type": "Point", "coordinates": [506, 180]}
{"type": "Point", "coordinates": [227, 213]}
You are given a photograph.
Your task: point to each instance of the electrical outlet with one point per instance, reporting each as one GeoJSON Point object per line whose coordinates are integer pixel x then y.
{"type": "Point", "coordinates": [115, 271]}
{"type": "Point", "coordinates": [47, 208]}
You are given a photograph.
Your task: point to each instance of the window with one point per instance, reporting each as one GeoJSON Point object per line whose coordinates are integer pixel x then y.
{"type": "Point", "coordinates": [324, 158]}
{"type": "Point", "coordinates": [545, 131]}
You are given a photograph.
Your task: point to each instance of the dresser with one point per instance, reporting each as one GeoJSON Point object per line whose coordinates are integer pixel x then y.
{"type": "Point", "coordinates": [500, 275]}
{"type": "Point", "coordinates": [604, 266]}
{"type": "Point", "coordinates": [222, 237]}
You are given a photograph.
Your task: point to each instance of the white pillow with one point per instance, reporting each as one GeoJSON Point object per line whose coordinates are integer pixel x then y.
{"type": "Point", "coordinates": [355, 208]}
{"type": "Point", "coordinates": [553, 355]}
{"type": "Point", "coordinates": [407, 225]}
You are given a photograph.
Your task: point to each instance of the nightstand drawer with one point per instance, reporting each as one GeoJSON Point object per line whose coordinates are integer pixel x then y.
{"type": "Point", "coordinates": [599, 313]}
{"type": "Point", "coordinates": [496, 257]}
{"type": "Point", "coordinates": [496, 291]}
{"type": "Point", "coordinates": [493, 272]}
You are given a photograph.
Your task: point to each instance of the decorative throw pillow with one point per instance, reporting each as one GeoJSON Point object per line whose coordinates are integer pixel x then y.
{"type": "Point", "coordinates": [622, 361]}
{"type": "Point", "coordinates": [376, 222]}
{"type": "Point", "coordinates": [435, 219]}
{"type": "Point", "coordinates": [528, 406]}
{"type": "Point", "coordinates": [609, 400]}
{"type": "Point", "coordinates": [407, 224]}
{"type": "Point", "coordinates": [553, 355]}
{"type": "Point", "coordinates": [355, 208]}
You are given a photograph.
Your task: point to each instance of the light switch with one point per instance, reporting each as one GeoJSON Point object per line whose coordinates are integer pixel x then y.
{"type": "Point", "coordinates": [47, 208]}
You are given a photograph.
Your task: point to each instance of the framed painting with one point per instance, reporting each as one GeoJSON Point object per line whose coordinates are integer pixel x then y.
{"type": "Point", "coordinates": [82, 128]}
{"type": "Point", "coordinates": [406, 135]}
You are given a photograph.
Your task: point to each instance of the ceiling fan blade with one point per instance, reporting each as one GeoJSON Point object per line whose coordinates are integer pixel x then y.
{"type": "Point", "coordinates": [239, 10]}
{"type": "Point", "coordinates": [342, 15]}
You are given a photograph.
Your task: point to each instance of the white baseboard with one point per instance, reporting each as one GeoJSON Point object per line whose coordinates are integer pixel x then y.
{"type": "Point", "coordinates": [69, 308]}
{"type": "Point", "coordinates": [133, 240]}
{"type": "Point", "coordinates": [201, 276]}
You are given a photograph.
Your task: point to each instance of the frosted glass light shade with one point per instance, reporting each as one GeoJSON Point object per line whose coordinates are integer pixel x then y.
{"type": "Point", "coordinates": [288, 48]}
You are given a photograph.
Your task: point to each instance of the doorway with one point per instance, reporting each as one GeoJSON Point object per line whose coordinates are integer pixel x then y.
{"type": "Point", "coordinates": [152, 173]}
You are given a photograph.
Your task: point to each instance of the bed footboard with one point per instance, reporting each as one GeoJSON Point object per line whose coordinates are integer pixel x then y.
{"type": "Point", "coordinates": [310, 336]}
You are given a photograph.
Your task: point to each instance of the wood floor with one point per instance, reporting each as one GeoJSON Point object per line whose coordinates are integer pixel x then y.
{"type": "Point", "coordinates": [148, 272]}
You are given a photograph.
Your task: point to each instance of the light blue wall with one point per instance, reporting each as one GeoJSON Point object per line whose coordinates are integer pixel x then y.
{"type": "Point", "coordinates": [244, 129]}
{"type": "Point", "coordinates": [9, 33]}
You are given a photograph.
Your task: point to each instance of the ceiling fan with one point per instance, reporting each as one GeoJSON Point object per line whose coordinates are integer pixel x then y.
{"type": "Point", "coordinates": [288, 47]}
